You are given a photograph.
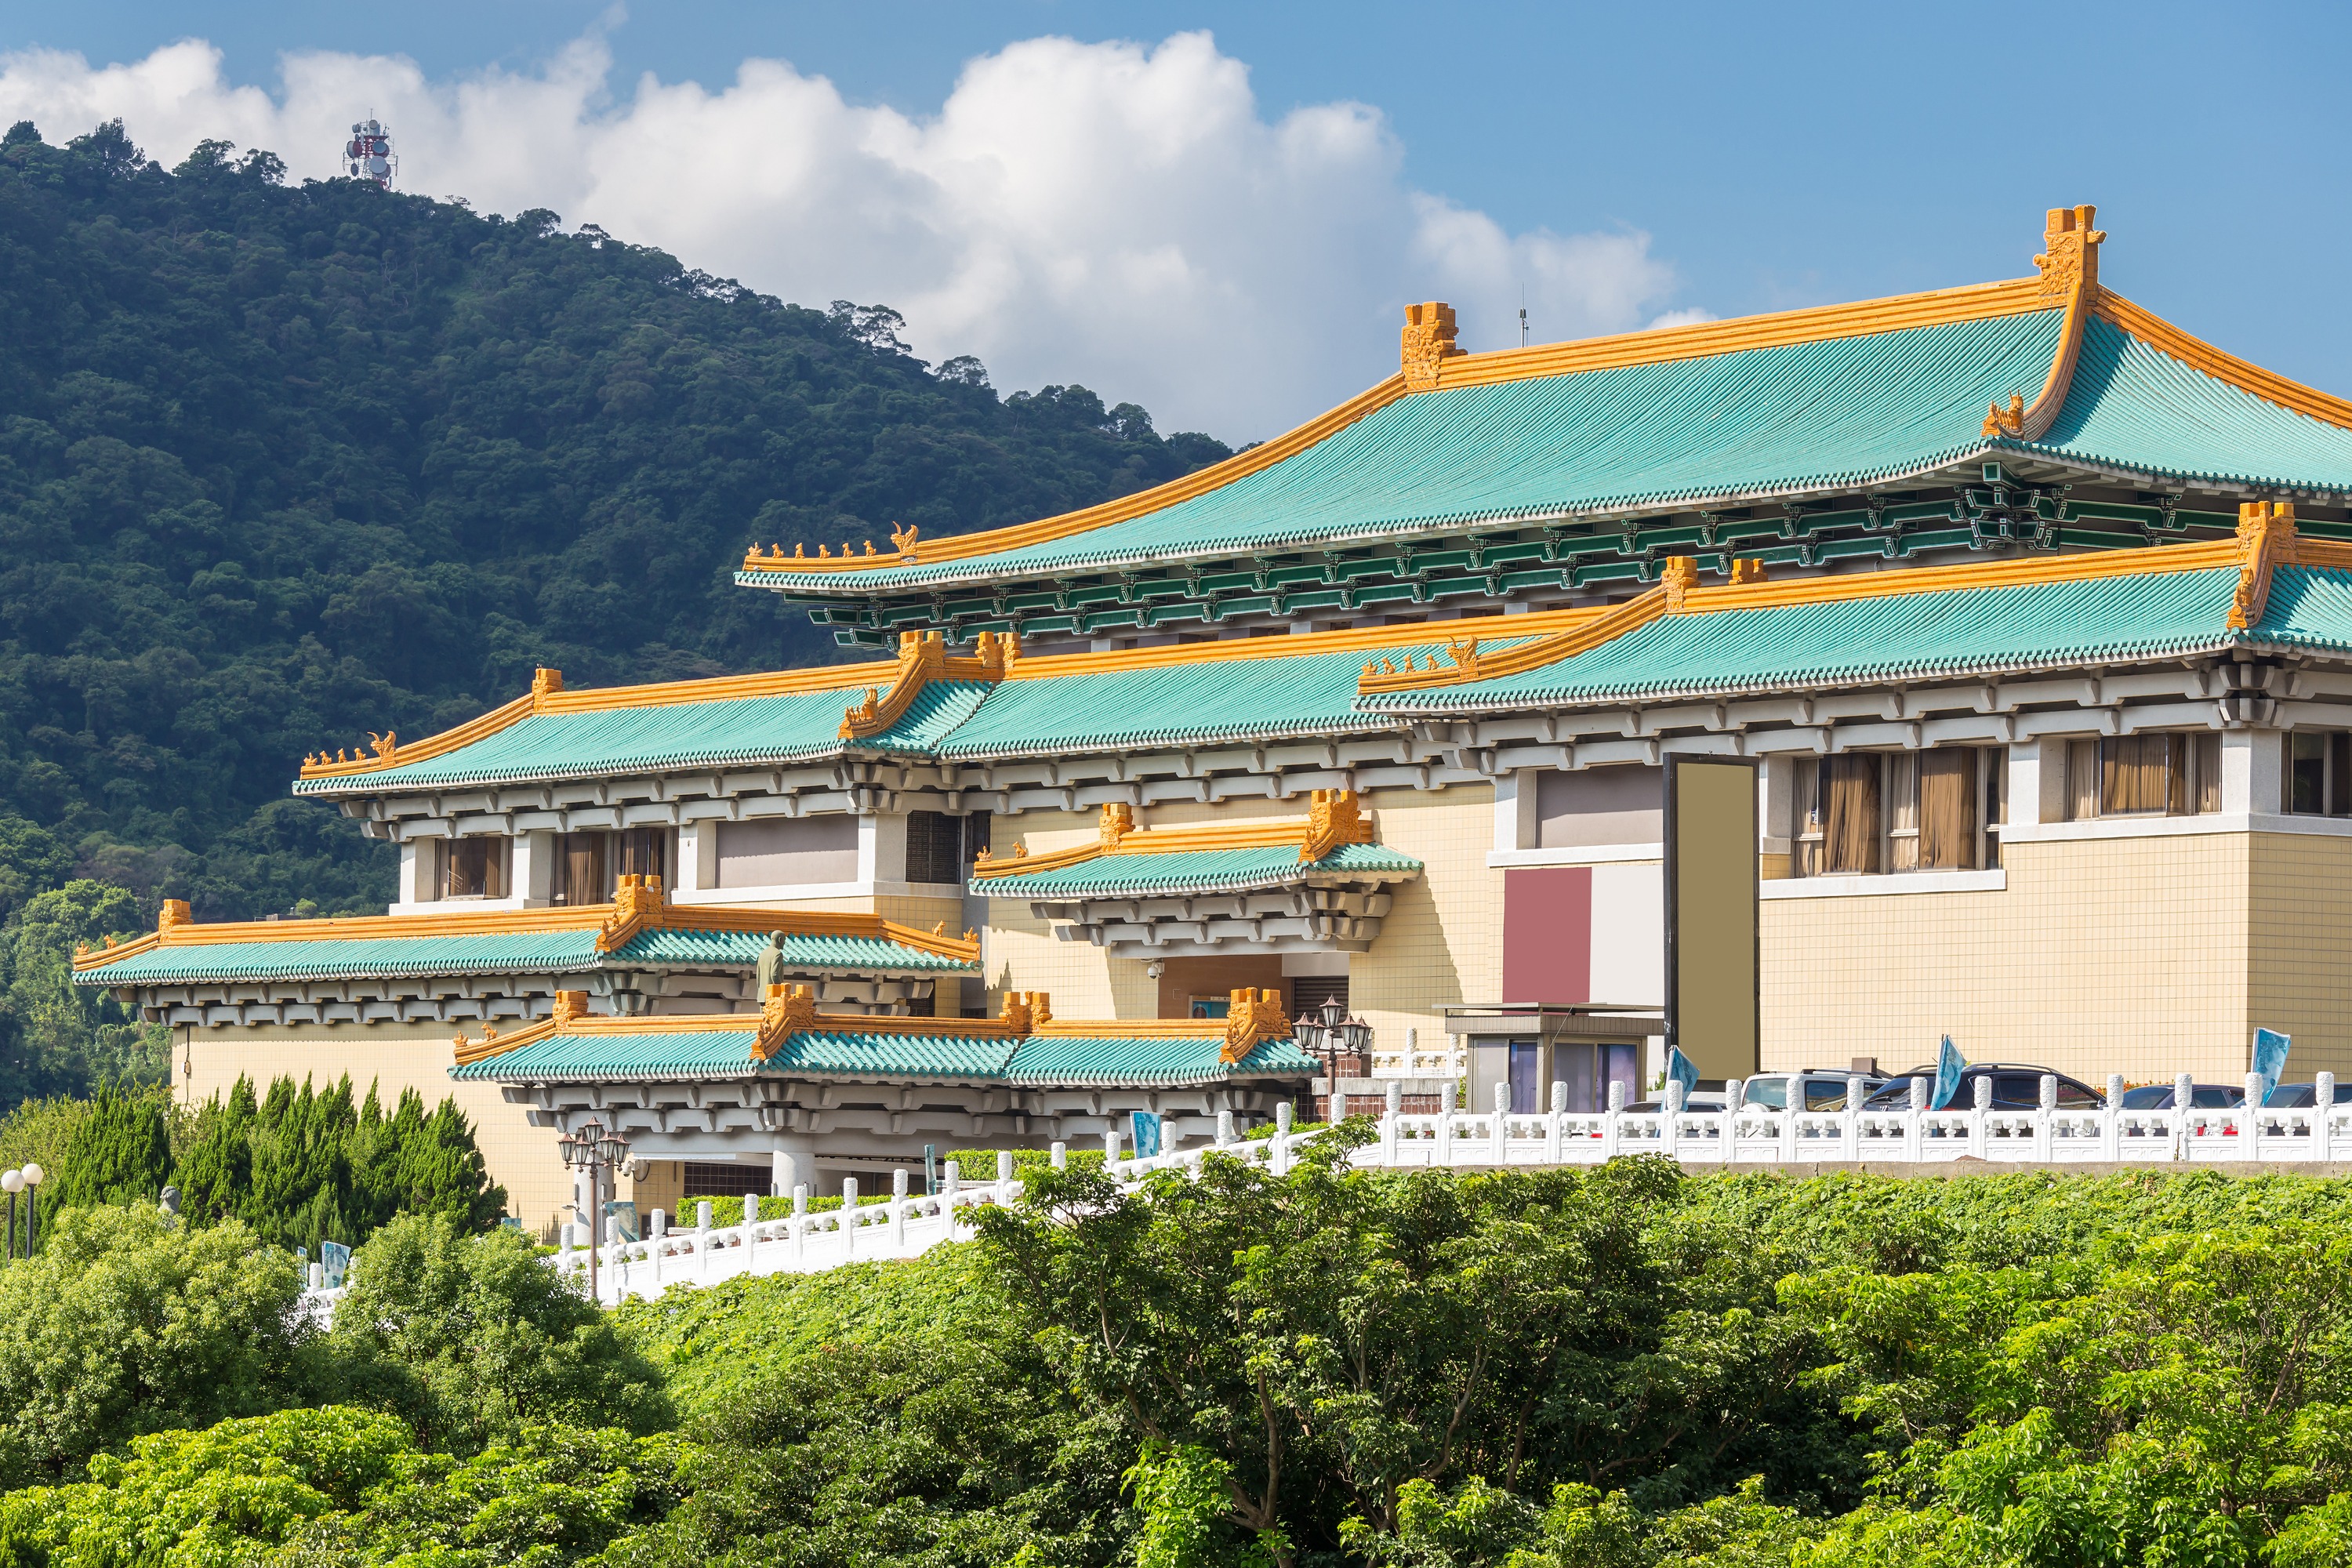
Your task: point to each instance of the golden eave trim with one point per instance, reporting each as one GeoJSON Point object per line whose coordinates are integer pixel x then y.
{"type": "Point", "coordinates": [2204, 358]}
{"type": "Point", "coordinates": [1701, 339]}
{"type": "Point", "coordinates": [1470, 664]}
{"type": "Point", "coordinates": [543, 698]}
{"type": "Point", "coordinates": [1334, 817]}
{"type": "Point", "coordinates": [600, 918]}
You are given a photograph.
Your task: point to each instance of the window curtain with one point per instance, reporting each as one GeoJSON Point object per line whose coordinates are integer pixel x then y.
{"type": "Point", "coordinates": [2081, 780]}
{"type": "Point", "coordinates": [1850, 813]}
{"type": "Point", "coordinates": [580, 869]}
{"type": "Point", "coordinates": [1947, 818]}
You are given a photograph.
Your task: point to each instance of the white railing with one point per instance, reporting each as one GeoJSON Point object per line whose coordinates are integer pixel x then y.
{"type": "Point", "coordinates": [905, 1225]}
{"type": "Point", "coordinates": [1910, 1133]}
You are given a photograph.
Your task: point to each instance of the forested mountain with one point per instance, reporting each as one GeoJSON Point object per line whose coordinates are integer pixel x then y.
{"type": "Point", "coordinates": [281, 465]}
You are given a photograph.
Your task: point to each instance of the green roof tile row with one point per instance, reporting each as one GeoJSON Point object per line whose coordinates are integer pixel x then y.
{"type": "Point", "coordinates": [1196, 871]}
{"type": "Point", "coordinates": [1036, 1061]}
{"type": "Point", "coordinates": [1849, 641]}
{"type": "Point", "coordinates": [1804, 417]}
{"type": "Point", "coordinates": [558, 953]}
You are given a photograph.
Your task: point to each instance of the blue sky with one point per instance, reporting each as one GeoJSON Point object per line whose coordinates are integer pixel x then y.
{"type": "Point", "coordinates": [1772, 157]}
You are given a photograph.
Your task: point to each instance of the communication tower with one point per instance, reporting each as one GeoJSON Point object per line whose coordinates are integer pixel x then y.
{"type": "Point", "coordinates": [368, 155]}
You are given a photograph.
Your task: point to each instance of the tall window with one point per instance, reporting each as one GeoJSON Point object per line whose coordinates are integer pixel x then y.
{"type": "Point", "coordinates": [473, 868]}
{"type": "Point", "coordinates": [1897, 811]}
{"type": "Point", "coordinates": [579, 875]}
{"type": "Point", "coordinates": [2319, 773]}
{"type": "Point", "coordinates": [645, 852]}
{"type": "Point", "coordinates": [934, 848]}
{"type": "Point", "coordinates": [2144, 775]}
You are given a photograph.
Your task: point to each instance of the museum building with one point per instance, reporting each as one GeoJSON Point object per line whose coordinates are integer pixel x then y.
{"type": "Point", "coordinates": [2032, 613]}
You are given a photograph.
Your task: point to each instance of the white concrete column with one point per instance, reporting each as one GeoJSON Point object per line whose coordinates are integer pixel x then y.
{"type": "Point", "coordinates": [1516, 825]}
{"type": "Point", "coordinates": [2253, 772]}
{"type": "Point", "coordinates": [794, 1165]}
{"type": "Point", "coordinates": [531, 869]}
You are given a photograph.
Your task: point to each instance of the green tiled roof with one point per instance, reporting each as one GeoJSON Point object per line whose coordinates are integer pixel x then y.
{"type": "Point", "coordinates": [1196, 871]}
{"type": "Point", "coordinates": [539, 952]}
{"type": "Point", "coordinates": [1036, 1061]}
{"type": "Point", "coordinates": [1805, 416]}
{"type": "Point", "coordinates": [1161, 1060]}
{"type": "Point", "coordinates": [743, 732]}
{"type": "Point", "coordinates": [2131, 407]}
{"type": "Point", "coordinates": [1171, 705]}
{"type": "Point", "coordinates": [1897, 635]}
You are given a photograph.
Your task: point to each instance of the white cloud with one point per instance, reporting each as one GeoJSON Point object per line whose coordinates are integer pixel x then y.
{"type": "Point", "coordinates": [1109, 213]}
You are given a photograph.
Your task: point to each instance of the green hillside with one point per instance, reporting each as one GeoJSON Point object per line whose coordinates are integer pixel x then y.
{"type": "Point", "coordinates": [281, 465]}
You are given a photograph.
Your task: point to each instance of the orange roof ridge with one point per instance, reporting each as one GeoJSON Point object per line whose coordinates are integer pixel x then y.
{"type": "Point", "coordinates": [2204, 358]}
{"type": "Point", "coordinates": [183, 932]}
{"type": "Point", "coordinates": [547, 695]}
{"type": "Point", "coordinates": [1678, 596]}
{"type": "Point", "coordinates": [1700, 340]}
{"type": "Point", "coordinates": [1335, 816]}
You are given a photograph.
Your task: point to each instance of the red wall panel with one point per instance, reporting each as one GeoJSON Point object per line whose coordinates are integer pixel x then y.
{"type": "Point", "coordinates": [1547, 934]}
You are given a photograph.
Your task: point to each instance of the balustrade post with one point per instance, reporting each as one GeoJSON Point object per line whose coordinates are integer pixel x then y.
{"type": "Point", "coordinates": [2323, 1116]}
{"type": "Point", "coordinates": [1556, 1124]}
{"type": "Point", "coordinates": [1978, 1114]}
{"type": "Point", "coordinates": [1390, 1130]}
{"type": "Point", "coordinates": [1610, 1137]}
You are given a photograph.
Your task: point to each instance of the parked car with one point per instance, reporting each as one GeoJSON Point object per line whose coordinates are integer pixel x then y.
{"type": "Point", "coordinates": [2201, 1097]}
{"type": "Point", "coordinates": [1817, 1089]}
{"type": "Point", "coordinates": [1700, 1100]}
{"type": "Point", "coordinates": [2016, 1086]}
{"type": "Point", "coordinates": [2301, 1095]}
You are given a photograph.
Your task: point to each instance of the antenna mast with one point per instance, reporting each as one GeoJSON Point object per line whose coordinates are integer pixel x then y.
{"type": "Point", "coordinates": [368, 155]}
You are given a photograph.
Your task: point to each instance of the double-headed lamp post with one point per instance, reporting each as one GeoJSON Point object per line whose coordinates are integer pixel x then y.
{"type": "Point", "coordinates": [1330, 1033]}
{"type": "Point", "coordinates": [26, 1180]}
{"type": "Point", "coordinates": [595, 1149]}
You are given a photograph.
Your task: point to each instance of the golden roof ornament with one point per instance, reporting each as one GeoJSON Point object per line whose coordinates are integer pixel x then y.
{"type": "Point", "coordinates": [2070, 252]}
{"type": "Point", "coordinates": [1426, 344]}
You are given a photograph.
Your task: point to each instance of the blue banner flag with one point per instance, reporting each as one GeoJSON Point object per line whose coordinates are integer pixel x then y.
{"type": "Point", "coordinates": [1146, 1135]}
{"type": "Point", "coordinates": [2270, 1058]}
{"type": "Point", "coordinates": [1681, 1070]}
{"type": "Point", "coordinates": [1950, 1065]}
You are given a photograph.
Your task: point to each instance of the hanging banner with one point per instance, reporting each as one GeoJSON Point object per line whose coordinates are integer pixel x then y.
{"type": "Point", "coordinates": [1713, 923]}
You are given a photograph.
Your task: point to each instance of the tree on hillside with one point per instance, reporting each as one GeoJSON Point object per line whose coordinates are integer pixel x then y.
{"type": "Point", "coordinates": [280, 465]}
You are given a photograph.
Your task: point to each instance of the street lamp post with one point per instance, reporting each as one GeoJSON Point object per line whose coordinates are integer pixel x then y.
{"type": "Point", "coordinates": [1330, 1034]}
{"type": "Point", "coordinates": [595, 1149]}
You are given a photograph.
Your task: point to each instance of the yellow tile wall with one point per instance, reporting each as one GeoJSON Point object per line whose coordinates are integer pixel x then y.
{"type": "Point", "coordinates": [2299, 940]}
{"type": "Point", "coordinates": [1443, 942]}
{"type": "Point", "coordinates": [521, 1158]}
{"type": "Point", "coordinates": [2102, 955]}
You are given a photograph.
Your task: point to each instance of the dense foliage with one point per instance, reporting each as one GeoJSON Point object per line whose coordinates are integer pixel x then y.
{"type": "Point", "coordinates": [296, 1167]}
{"type": "Point", "coordinates": [280, 466]}
{"type": "Point", "coordinates": [1617, 1368]}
